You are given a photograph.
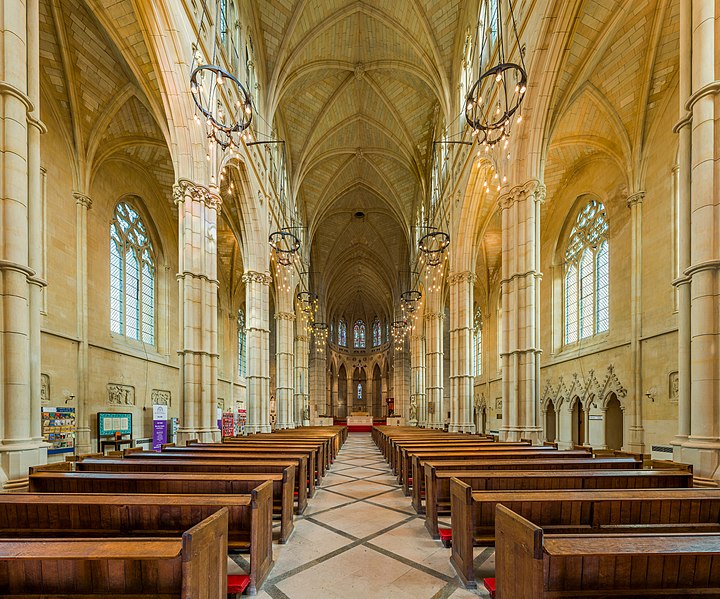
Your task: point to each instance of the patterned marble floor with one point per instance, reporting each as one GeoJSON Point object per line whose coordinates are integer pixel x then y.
{"type": "Point", "coordinates": [360, 537]}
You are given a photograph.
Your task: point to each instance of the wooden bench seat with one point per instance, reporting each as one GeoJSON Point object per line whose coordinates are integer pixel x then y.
{"type": "Point", "coordinates": [555, 461]}
{"type": "Point", "coordinates": [199, 465]}
{"type": "Point", "coordinates": [191, 566]}
{"type": "Point", "coordinates": [491, 452]}
{"type": "Point", "coordinates": [171, 483]}
{"type": "Point", "coordinates": [304, 463]}
{"type": "Point", "coordinates": [314, 469]}
{"type": "Point", "coordinates": [606, 510]}
{"type": "Point", "coordinates": [602, 565]}
{"type": "Point", "coordinates": [51, 515]}
{"type": "Point", "coordinates": [317, 450]}
{"type": "Point", "coordinates": [516, 480]}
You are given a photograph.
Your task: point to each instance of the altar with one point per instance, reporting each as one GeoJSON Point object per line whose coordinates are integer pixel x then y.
{"type": "Point", "coordinates": [359, 422]}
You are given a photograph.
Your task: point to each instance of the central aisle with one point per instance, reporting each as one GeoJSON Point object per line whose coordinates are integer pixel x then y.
{"type": "Point", "coordinates": [360, 537]}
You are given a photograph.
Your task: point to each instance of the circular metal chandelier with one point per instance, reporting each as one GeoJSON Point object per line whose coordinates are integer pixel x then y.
{"type": "Point", "coordinates": [494, 102]}
{"type": "Point", "coordinates": [223, 127]}
{"type": "Point", "coordinates": [285, 247]}
{"type": "Point", "coordinates": [433, 246]}
{"type": "Point", "coordinates": [409, 301]}
{"type": "Point", "coordinates": [307, 302]}
{"type": "Point", "coordinates": [399, 328]}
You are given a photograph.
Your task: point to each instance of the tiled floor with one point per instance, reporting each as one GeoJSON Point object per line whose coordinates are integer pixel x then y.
{"type": "Point", "coordinates": [360, 537]}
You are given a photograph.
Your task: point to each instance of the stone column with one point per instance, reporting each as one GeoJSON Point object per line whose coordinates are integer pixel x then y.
{"type": "Point", "coordinates": [603, 438]}
{"type": "Point", "coordinates": [684, 181]}
{"type": "Point", "coordinates": [20, 443]}
{"type": "Point", "coordinates": [318, 374]}
{"type": "Point", "coordinates": [434, 361]}
{"type": "Point", "coordinates": [520, 288]}
{"type": "Point", "coordinates": [35, 215]}
{"type": "Point", "coordinates": [461, 359]}
{"type": "Point", "coordinates": [417, 360]}
{"type": "Point", "coordinates": [334, 396]}
{"type": "Point", "coordinates": [82, 206]}
{"type": "Point", "coordinates": [284, 356]}
{"type": "Point", "coordinates": [301, 377]}
{"type": "Point", "coordinates": [198, 209]}
{"type": "Point", "coordinates": [257, 313]}
{"type": "Point", "coordinates": [351, 393]}
{"type": "Point", "coordinates": [702, 447]}
{"type": "Point", "coordinates": [635, 442]}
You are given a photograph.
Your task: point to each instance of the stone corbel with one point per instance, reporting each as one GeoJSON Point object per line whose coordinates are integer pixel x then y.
{"type": "Point", "coordinates": [185, 189]}
{"type": "Point", "coordinates": [461, 277]}
{"type": "Point", "coordinates": [635, 198]}
{"type": "Point", "coordinates": [284, 316]}
{"type": "Point", "coordinates": [82, 200]}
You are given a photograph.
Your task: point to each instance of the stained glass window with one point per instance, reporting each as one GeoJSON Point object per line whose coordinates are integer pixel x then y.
{"type": "Point", "coordinates": [332, 332]}
{"type": "Point", "coordinates": [342, 333]}
{"type": "Point", "coordinates": [377, 333]}
{"type": "Point", "coordinates": [359, 334]}
{"type": "Point", "coordinates": [477, 353]}
{"type": "Point", "coordinates": [242, 344]}
{"type": "Point", "coordinates": [132, 277]}
{"type": "Point", "coordinates": [359, 391]}
{"type": "Point", "coordinates": [587, 275]}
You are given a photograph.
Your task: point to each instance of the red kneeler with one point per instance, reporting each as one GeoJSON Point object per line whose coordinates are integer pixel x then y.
{"type": "Point", "coordinates": [236, 584]}
{"type": "Point", "coordinates": [490, 586]}
{"type": "Point", "coordinates": [445, 536]}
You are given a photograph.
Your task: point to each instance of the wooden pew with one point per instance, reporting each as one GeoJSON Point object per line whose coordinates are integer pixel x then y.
{"type": "Point", "coordinates": [172, 483]}
{"type": "Point", "coordinates": [491, 452]}
{"type": "Point", "coordinates": [250, 451]}
{"type": "Point", "coordinates": [193, 566]}
{"type": "Point", "coordinates": [517, 480]}
{"type": "Point", "coordinates": [318, 449]}
{"type": "Point", "coordinates": [531, 564]}
{"type": "Point", "coordinates": [50, 515]}
{"type": "Point", "coordinates": [192, 465]}
{"type": "Point", "coordinates": [572, 511]}
{"type": "Point", "coordinates": [416, 482]}
{"type": "Point", "coordinates": [555, 462]}
{"type": "Point", "coordinates": [302, 460]}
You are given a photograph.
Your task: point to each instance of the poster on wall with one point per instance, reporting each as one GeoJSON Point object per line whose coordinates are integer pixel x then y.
{"type": "Point", "coordinates": [160, 426]}
{"type": "Point", "coordinates": [228, 424]}
{"type": "Point", "coordinates": [58, 429]}
{"type": "Point", "coordinates": [241, 421]}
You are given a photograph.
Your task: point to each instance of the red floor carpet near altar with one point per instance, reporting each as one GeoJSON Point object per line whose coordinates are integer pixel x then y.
{"type": "Point", "coordinates": [359, 429]}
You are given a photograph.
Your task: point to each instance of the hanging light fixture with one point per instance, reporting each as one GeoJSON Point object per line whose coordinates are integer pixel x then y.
{"type": "Point", "coordinates": [320, 333]}
{"type": "Point", "coordinates": [409, 301]}
{"type": "Point", "coordinates": [399, 328]}
{"type": "Point", "coordinates": [222, 102]}
{"type": "Point", "coordinates": [285, 247]}
{"type": "Point", "coordinates": [493, 105]}
{"type": "Point", "coordinates": [433, 246]}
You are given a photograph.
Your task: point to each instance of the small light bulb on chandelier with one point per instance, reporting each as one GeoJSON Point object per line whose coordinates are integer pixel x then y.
{"type": "Point", "coordinates": [499, 77]}
{"type": "Point", "coordinates": [508, 156]}
{"type": "Point", "coordinates": [519, 119]}
{"type": "Point", "coordinates": [207, 156]}
{"type": "Point", "coordinates": [523, 89]}
{"type": "Point", "coordinates": [220, 79]}
{"type": "Point", "coordinates": [248, 108]}
{"type": "Point", "coordinates": [504, 179]}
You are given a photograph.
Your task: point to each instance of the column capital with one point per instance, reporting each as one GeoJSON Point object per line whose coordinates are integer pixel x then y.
{"type": "Point", "coordinates": [185, 189]}
{"type": "Point", "coordinates": [521, 192]}
{"type": "Point", "coordinates": [284, 316]}
{"type": "Point", "coordinates": [433, 316]}
{"type": "Point", "coordinates": [461, 277]}
{"type": "Point", "coordinates": [82, 200]}
{"type": "Point", "coordinates": [635, 199]}
{"type": "Point", "coordinates": [252, 276]}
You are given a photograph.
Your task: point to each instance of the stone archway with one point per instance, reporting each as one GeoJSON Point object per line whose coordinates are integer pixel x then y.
{"type": "Point", "coordinates": [550, 423]}
{"type": "Point", "coordinates": [614, 425]}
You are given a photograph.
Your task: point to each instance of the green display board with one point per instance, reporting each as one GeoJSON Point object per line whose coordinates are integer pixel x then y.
{"type": "Point", "coordinates": [110, 423]}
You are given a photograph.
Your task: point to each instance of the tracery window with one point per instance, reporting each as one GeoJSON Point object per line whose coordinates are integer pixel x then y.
{"type": "Point", "coordinates": [132, 276]}
{"type": "Point", "coordinates": [477, 345]}
{"type": "Point", "coordinates": [359, 391]}
{"type": "Point", "coordinates": [359, 334]}
{"type": "Point", "coordinates": [342, 333]}
{"type": "Point", "coordinates": [587, 275]}
{"type": "Point", "coordinates": [332, 332]}
{"type": "Point", "coordinates": [242, 344]}
{"type": "Point", "coordinates": [377, 333]}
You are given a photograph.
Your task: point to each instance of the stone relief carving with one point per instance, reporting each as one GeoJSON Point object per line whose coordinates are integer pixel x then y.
{"type": "Point", "coordinates": [498, 404]}
{"type": "Point", "coordinates": [120, 395]}
{"type": "Point", "coordinates": [160, 397]}
{"type": "Point", "coordinates": [44, 389]}
{"type": "Point", "coordinates": [587, 388]}
{"type": "Point", "coordinates": [674, 387]}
